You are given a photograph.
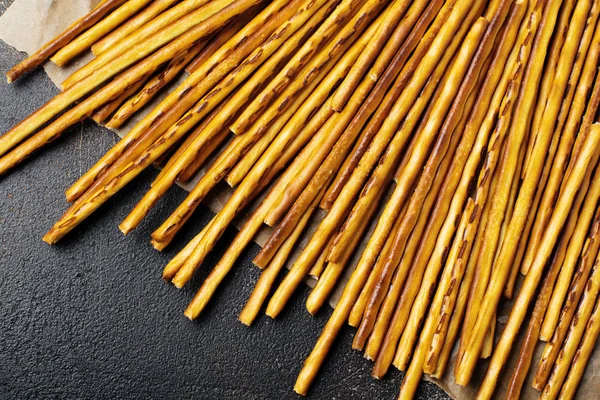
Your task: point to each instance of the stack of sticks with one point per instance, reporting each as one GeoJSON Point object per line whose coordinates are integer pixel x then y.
{"type": "Point", "coordinates": [463, 131]}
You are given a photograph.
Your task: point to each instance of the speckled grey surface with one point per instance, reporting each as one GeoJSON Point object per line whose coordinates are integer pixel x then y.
{"type": "Point", "coordinates": [91, 318]}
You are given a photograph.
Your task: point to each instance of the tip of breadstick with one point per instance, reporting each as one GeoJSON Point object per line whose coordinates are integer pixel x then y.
{"type": "Point", "coordinates": [9, 79]}
{"type": "Point", "coordinates": [125, 229]}
{"type": "Point", "coordinates": [160, 246]}
{"type": "Point", "coordinates": [189, 315]}
{"type": "Point", "coordinates": [48, 238]}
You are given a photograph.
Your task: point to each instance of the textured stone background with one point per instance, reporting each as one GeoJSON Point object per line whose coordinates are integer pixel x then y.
{"type": "Point", "coordinates": [91, 318]}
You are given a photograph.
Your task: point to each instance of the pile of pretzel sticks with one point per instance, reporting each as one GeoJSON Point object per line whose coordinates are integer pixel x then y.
{"type": "Point", "coordinates": [462, 130]}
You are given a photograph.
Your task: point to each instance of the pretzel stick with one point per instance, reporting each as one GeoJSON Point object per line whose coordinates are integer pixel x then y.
{"type": "Point", "coordinates": [548, 76]}
{"type": "Point", "coordinates": [286, 31]}
{"type": "Point", "coordinates": [217, 41]}
{"type": "Point", "coordinates": [417, 158]}
{"type": "Point", "coordinates": [418, 363]}
{"type": "Point", "coordinates": [253, 224]}
{"type": "Point", "coordinates": [329, 279]}
{"type": "Point", "coordinates": [340, 30]}
{"type": "Point", "coordinates": [158, 31]}
{"type": "Point", "coordinates": [562, 156]}
{"type": "Point", "coordinates": [131, 25]}
{"type": "Point", "coordinates": [584, 352]}
{"type": "Point", "coordinates": [244, 42]}
{"type": "Point", "coordinates": [421, 301]}
{"type": "Point", "coordinates": [317, 269]}
{"type": "Point", "coordinates": [98, 31]}
{"type": "Point", "coordinates": [532, 279]}
{"type": "Point", "coordinates": [357, 312]}
{"type": "Point", "coordinates": [389, 26]}
{"type": "Point", "coordinates": [351, 292]}
{"type": "Point", "coordinates": [424, 41]}
{"type": "Point", "coordinates": [573, 338]}
{"type": "Point", "coordinates": [522, 113]}
{"type": "Point", "coordinates": [171, 225]}
{"type": "Point", "coordinates": [543, 137]}
{"type": "Point", "coordinates": [568, 252]}
{"type": "Point", "coordinates": [210, 179]}
{"type": "Point", "coordinates": [104, 112]}
{"type": "Point", "coordinates": [151, 88]}
{"type": "Point", "coordinates": [576, 289]}
{"type": "Point", "coordinates": [347, 125]}
{"type": "Point", "coordinates": [66, 98]}
{"type": "Point", "coordinates": [270, 273]}
{"type": "Point", "coordinates": [48, 49]}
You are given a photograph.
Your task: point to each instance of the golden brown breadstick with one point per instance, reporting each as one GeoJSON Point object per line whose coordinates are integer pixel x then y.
{"type": "Point", "coordinates": [357, 280]}
{"type": "Point", "coordinates": [567, 311]}
{"type": "Point", "coordinates": [269, 274]}
{"type": "Point", "coordinates": [104, 112]}
{"type": "Point", "coordinates": [97, 32]}
{"type": "Point", "coordinates": [244, 42]}
{"type": "Point", "coordinates": [561, 159]}
{"type": "Point", "coordinates": [383, 103]}
{"type": "Point", "coordinates": [66, 98]}
{"type": "Point", "coordinates": [131, 25]}
{"type": "Point", "coordinates": [465, 367]}
{"type": "Point", "coordinates": [573, 338]}
{"type": "Point", "coordinates": [531, 280]}
{"type": "Point", "coordinates": [343, 27]}
{"type": "Point", "coordinates": [158, 31]}
{"type": "Point", "coordinates": [390, 24]}
{"type": "Point", "coordinates": [558, 39]}
{"type": "Point", "coordinates": [83, 23]}
{"type": "Point", "coordinates": [151, 88]}
{"type": "Point", "coordinates": [584, 352]}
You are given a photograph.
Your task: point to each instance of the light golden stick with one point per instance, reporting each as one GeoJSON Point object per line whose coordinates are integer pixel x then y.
{"type": "Point", "coordinates": [573, 338]}
{"type": "Point", "coordinates": [584, 352]}
{"type": "Point", "coordinates": [242, 44]}
{"type": "Point", "coordinates": [253, 224]}
{"type": "Point", "coordinates": [158, 31]}
{"type": "Point", "coordinates": [389, 25]}
{"type": "Point", "coordinates": [83, 23]}
{"type": "Point", "coordinates": [171, 225]}
{"type": "Point", "coordinates": [151, 88]}
{"type": "Point", "coordinates": [290, 36]}
{"type": "Point", "coordinates": [558, 39]}
{"type": "Point", "coordinates": [340, 30]}
{"type": "Point", "coordinates": [566, 311]}
{"type": "Point", "coordinates": [519, 124]}
{"type": "Point", "coordinates": [423, 34]}
{"type": "Point", "coordinates": [68, 97]}
{"type": "Point", "coordinates": [561, 159]}
{"type": "Point", "coordinates": [351, 291]}
{"type": "Point", "coordinates": [329, 279]}
{"type": "Point", "coordinates": [319, 266]}
{"type": "Point", "coordinates": [269, 274]}
{"type": "Point", "coordinates": [531, 280]}
{"type": "Point", "coordinates": [357, 312]}
{"type": "Point", "coordinates": [541, 304]}
{"type": "Point", "coordinates": [543, 137]}
{"type": "Point", "coordinates": [416, 306]}
{"type": "Point", "coordinates": [104, 112]}
{"type": "Point", "coordinates": [131, 25]}
{"type": "Point", "coordinates": [98, 31]}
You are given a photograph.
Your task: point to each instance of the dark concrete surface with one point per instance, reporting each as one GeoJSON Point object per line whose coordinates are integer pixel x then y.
{"type": "Point", "coordinates": [91, 318]}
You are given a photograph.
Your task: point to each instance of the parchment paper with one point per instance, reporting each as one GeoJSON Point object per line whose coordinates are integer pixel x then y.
{"type": "Point", "coordinates": [28, 24]}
